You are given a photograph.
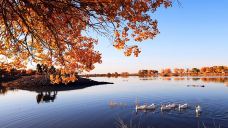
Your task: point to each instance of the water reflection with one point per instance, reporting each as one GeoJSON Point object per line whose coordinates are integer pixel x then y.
{"type": "Point", "coordinates": [117, 100]}
{"type": "Point", "coordinates": [179, 78]}
{"type": "Point", "coordinates": [148, 78]}
{"type": "Point", "coordinates": [215, 79]}
{"type": "Point", "coordinates": [226, 84]}
{"type": "Point", "coordinates": [198, 114]}
{"type": "Point", "coordinates": [113, 104]}
{"type": "Point", "coordinates": [42, 97]}
{"type": "Point", "coordinates": [202, 86]}
{"type": "Point", "coordinates": [166, 78]}
{"type": "Point", "coordinates": [46, 97]}
{"type": "Point", "coordinates": [203, 79]}
{"type": "Point", "coordinates": [144, 111]}
{"type": "Point", "coordinates": [195, 79]}
{"type": "Point", "coordinates": [50, 96]}
{"type": "Point", "coordinates": [3, 91]}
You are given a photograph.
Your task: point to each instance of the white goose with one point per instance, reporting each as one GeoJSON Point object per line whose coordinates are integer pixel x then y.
{"type": "Point", "coordinates": [183, 106]}
{"type": "Point", "coordinates": [173, 105]}
{"type": "Point", "coordinates": [198, 109]}
{"type": "Point", "coordinates": [140, 107]}
{"type": "Point", "coordinates": [151, 107]}
{"type": "Point", "coordinates": [165, 107]}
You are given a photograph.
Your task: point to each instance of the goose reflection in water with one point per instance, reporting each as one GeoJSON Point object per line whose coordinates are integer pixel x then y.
{"type": "Point", "coordinates": [46, 97]}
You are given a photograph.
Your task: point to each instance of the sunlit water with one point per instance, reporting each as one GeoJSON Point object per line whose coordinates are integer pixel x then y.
{"type": "Point", "coordinates": [90, 107]}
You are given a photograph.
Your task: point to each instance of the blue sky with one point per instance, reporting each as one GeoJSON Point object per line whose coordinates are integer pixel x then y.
{"type": "Point", "coordinates": [193, 35]}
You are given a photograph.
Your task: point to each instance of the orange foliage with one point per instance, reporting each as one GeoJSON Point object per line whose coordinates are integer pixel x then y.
{"type": "Point", "coordinates": [166, 71]}
{"type": "Point", "coordinates": [51, 32]}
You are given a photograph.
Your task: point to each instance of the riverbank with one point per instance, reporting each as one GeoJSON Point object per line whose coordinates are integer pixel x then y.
{"type": "Point", "coordinates": [42, 83]}
{"type": "Point", "coordinates": [157, 75]}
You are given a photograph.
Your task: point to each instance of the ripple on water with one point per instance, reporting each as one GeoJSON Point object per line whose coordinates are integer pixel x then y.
{"type": "Point", "coordinates": [90, 107]}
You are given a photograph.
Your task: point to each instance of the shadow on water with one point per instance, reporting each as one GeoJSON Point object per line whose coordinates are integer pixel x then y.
{"type": "Point", "coordinates": [42, 97]}
{"type": "Point", "coordinates": [47, 94]}
{"type": "Point", "coordinates": [46, 97]}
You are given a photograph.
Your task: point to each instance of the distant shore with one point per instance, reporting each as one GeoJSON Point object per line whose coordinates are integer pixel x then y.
{"type": "Point", "coordinates": [158, 75]}
{"type": "Point", "coordinates": [204, 71]}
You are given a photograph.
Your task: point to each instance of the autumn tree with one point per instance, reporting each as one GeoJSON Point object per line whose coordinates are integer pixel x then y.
{"type": "Point", "coordinates": [178, 71]}
{"type": "Point", "coordinates": [195, 70]}
{"type": "Point", "coordinates": [54, 32]}
{"type": "Point", "coordinates": [166, 72]}
{"type": "Point", "coordinates": [203, 69]}
{"type": "Point", "coordinates": [124, 74]}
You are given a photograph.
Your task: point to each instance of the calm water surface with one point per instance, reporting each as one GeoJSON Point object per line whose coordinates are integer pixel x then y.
{"type": "Point", "coordinates": [103, 105]}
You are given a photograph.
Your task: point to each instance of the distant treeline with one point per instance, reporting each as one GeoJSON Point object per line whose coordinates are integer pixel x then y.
{"type": "Point", "coordinates": [9, 74]}
{"type": "Point", "coordinates": [204, 71]}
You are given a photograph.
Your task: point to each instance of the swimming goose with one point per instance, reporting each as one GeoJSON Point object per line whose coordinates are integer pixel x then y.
{"type": "Point", "coordinates": [183, 106]}
{"type": "Point", "coordinates": [172, 105]}
{"type": "Point", "coordinates": [142, 107]}
{"type": "Point", "coordinates": [165, 107]}
{"type": "Point", "coordinates": [152, 106]}
{"type": "Point", "coordinates": [198, 109]}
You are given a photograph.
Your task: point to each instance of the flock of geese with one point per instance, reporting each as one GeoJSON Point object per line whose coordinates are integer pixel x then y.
{"type": "Point", "coordinates": [166, 107]}
{"type": "Point", "coordinates": [163, 107]}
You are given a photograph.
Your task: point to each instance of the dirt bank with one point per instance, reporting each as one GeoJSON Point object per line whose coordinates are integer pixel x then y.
{"type": "Point", "coordinates": [40, 83]}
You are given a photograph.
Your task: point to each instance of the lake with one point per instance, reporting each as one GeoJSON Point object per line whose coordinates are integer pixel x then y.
{"type": "Point", "coordinates": [106, 106]}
